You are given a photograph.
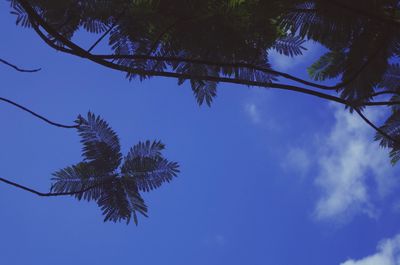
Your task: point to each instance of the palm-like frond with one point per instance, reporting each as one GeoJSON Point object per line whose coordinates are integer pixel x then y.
{"type": "Point", "coordinates": [78, 178]}
{"type": "Point", "coordinates": [147, 149]}
{"type": "Point", "coordinates": [147, 167]}
{"type": "Point", "coordinates": [391, 79]}
{"type": "Point", "coordinates": [97, 178]}
{"type": "Point", "coordinates": [289, 45]}
{"type": "Point", "coordinates": [329, 65]}
{"type": "Point", "coordinates": [22, 17]}
{"type": "Point", "coordinates": [101, 145]}
{"type": "Point", "coordinates": [204, 91]}
{"type": "Point", "coordinates": [120, 200]}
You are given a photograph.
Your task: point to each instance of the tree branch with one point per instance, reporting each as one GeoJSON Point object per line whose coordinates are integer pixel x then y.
{"type": "Point", "coordinates": [47, 194]}
{"type": "Point", "coordinates": [17, 68]}
{"type": "Point", "coordinates": [101, 38]}
{"type": "Point", "coordinates": [376, 128]}
{"type": "Point", "coordinates": [100, 59]}
{"type": "Point", "coordinates": [78, 51]}
{"type": "Point", "coordinates": [39, 116]}
{"type": "Point", "coordinates": [117, 18]}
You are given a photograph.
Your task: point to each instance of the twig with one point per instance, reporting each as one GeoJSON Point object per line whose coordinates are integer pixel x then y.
{"type": "Point", "coordinates": [39, 116]}
{"type": "Point", "coordinates": [19, 69]}
{"type": "Point", "coordinates": [380, 131]}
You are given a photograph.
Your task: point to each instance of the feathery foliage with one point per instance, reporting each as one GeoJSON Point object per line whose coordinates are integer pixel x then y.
{"type": "Point", "coordinates": [101, 178]}
{"type": "Point", "coordinates": [207, 42]}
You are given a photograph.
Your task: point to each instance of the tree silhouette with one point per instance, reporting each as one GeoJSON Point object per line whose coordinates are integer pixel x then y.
{"type": "Point", "coordinates": [206, 42]}
{"type": "Point", "coordinates": [101, 177]}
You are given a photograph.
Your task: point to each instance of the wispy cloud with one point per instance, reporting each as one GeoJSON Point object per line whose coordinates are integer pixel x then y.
{"type": "Point", "coordinates": [253, 112]}
{"type": "Point", "coordinates": [388, 253]}
{"type": "Point", "coordinates": [347, 157]}
{"type": "Point", "coordinates": [351, 172]}
{"type": "Point", "coordinates": [297, 160]}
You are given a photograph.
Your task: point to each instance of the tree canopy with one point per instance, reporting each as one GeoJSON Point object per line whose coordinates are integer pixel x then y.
{"type": "Point", "coordinates": [206, 42]}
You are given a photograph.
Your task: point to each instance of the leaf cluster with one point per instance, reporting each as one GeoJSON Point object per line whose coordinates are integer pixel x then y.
{"type": "Point", "coordinates": [113, 182]}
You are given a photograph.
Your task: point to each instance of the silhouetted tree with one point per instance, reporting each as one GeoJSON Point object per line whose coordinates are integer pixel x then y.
{"type": "Point", "coordinates": [101, 177]}
{"type": "Point", "coordinates": [207, 42]}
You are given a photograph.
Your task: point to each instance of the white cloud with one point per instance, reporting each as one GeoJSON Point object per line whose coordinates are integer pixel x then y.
{"type": "Point", "coordinates": [252, 111]}
{"type": "Point", "coordinates": [297, 160]}
{"type": "Point", "coordinates": [347, 157]}
{"type": "Point", "coordinates": [388, 253]}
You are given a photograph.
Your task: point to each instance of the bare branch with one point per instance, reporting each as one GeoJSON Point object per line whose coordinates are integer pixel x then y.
{"type": "Point", "coordinates": [39, 116]}
{"type": "Point", "coordinates": [19, 69]}
{"type": "Point", "coordinates": [376, 128]}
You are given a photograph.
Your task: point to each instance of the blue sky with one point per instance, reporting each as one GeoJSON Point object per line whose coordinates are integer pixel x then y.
{"type": "Point", "coordinates": [268, 177]}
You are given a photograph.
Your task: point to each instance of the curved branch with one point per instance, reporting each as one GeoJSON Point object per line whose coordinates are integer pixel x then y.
{"type": "Point", "coordinates": [376, 128]}
{"type": "Point", "coordinates": [100, 59]}
{"type": "Point", "coordinates": [19, 69]}
{"type": "Point", "coordinates": [390, 92]}
{"type": "Point", "coordinates": [78, 51]}
{"type": "Point", "coordinates": [382, 103]}
{"type": "Point", "coordinates": [39, 116]}
{"type": "Point", "coordinates": [42, 194]}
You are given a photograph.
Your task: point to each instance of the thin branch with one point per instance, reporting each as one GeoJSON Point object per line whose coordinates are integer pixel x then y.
{"type": "Point", "coordinates": [382, 103]}
{"type": "Point", "coordinates": [390, 92]}
{"type": "Point", "coordinates": [19, 69]}
{"type": "Point", "coordinates": [47, 194]}
{"type": "Point", "coordinates": [237, 65]}
{"type": "Point", "coordinates": [101, 37]}
{"type": "Point", "coordinates": [39, 116]}
{"type": "Point", "coordinates": [117, 18]}
{"type": "Point", "coordinates": [376, 128]}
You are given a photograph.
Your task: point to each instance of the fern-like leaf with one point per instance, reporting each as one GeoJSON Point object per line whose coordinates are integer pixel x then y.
{"type": "Point", "coordinates": [147, 167]}
{"type": "Point", "coordinates": [101, 145]}
{"type": "Point", "coordinates": [289, 45]}
{"type": "Point", "coordinates": [120, 200]}
{"type": "Point", "coordinates": [329, 65]}
{"type": "Point", "coordinates": [391, 79]}
{"type": "Point", "coordinates": [204, 91]}
{"type": "Point", "coordinates": [81, 177]}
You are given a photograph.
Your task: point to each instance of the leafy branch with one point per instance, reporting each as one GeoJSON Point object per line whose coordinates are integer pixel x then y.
{"type": "Point", "coordinates": [103, 176]}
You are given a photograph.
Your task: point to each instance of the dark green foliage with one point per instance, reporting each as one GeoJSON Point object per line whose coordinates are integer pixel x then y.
{"type": "Point", "coordinates": [99, 178]}
{"type": "Point", "coordinates": [213, 30]}
{"type": "Point", "coordinates": [391, 79]}
{"type": "Point", "coordinates": [207, 42]}
{"type": "Point", "coordinates": [145, 164]}
{"type": "Point", "coordinates": [330, 65]}
{"type": "Point", "coordinates": [101, 146]}
{"type": "Point", "coordinates": [289, 45]}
